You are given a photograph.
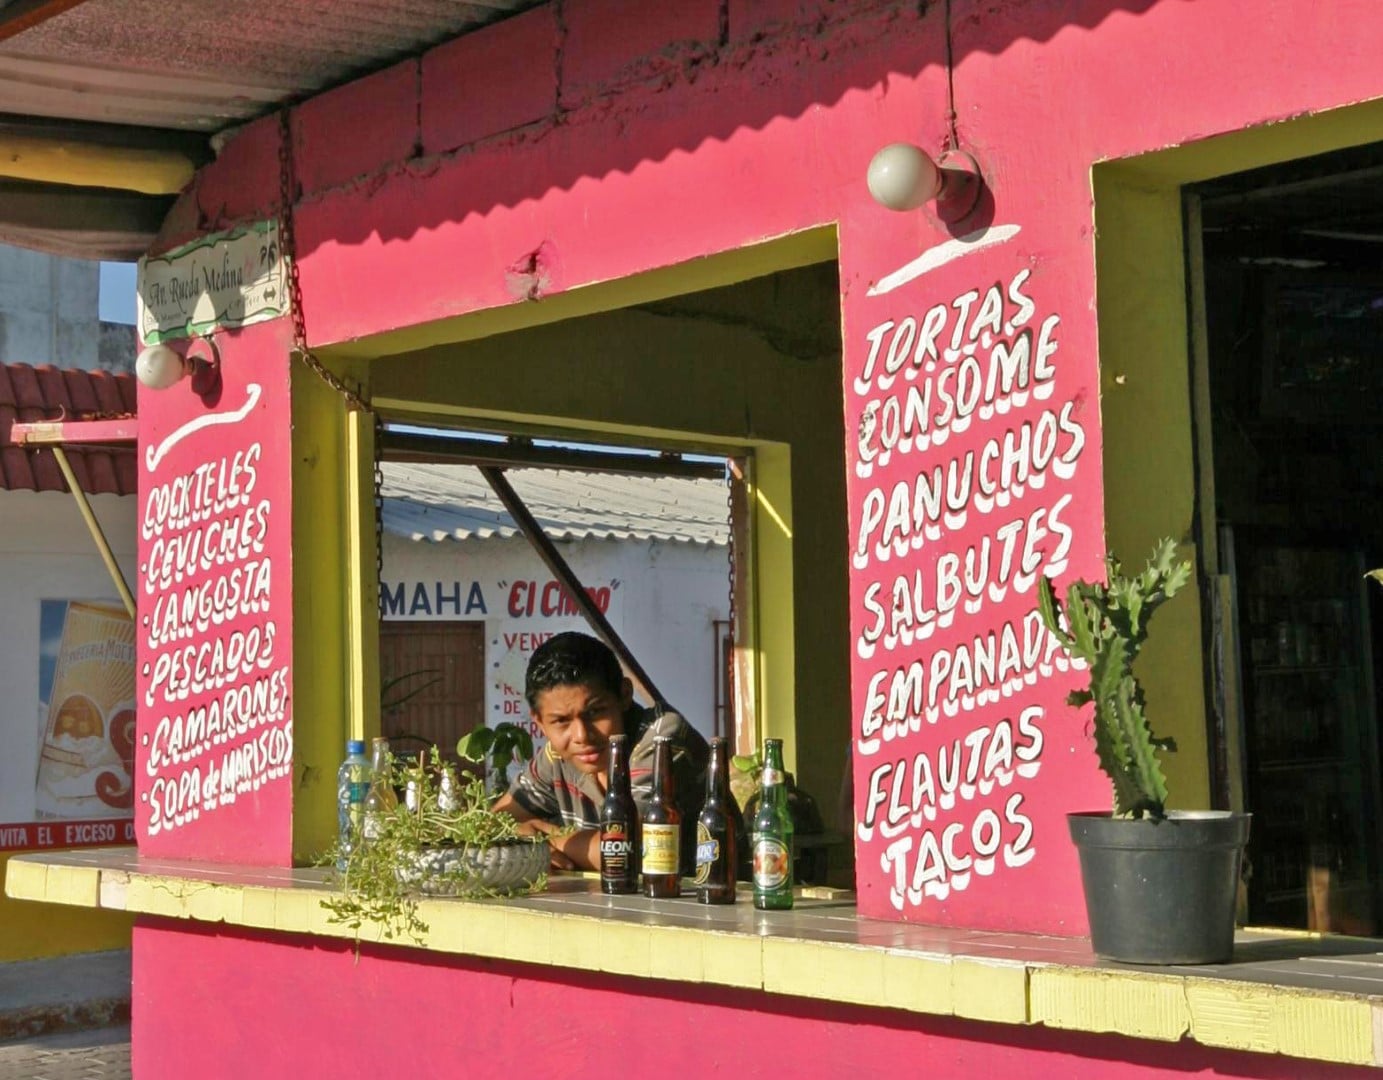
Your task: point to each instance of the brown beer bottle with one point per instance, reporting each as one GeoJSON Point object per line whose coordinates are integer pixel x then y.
{"type": "Point", "coordinates": [716, 843]}
{"type": "Point", "coordinates": [662, 829]}
{"type": "Point", "coordinates": [619, 826]}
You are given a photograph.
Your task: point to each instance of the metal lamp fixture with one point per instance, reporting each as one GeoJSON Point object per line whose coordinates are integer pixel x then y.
{"type": "Point", "coordinates": [904, 177]}
{"type": "Point", "coordinates": [159, 366]}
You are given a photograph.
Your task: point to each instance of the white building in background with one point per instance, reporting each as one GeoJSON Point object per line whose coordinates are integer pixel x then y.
{"type": "Point", "coordinates": [466, 599]}
{"type": "Point", "coordinates": [50, 314]}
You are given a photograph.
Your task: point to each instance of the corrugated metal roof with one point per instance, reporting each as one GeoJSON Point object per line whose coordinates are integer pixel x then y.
{"type": "Point", "coordinates": [51, 393]}
{"type": "Point", "coordinates": [206, 66]}
{"type": "Point", "coordinates": [453, 502]}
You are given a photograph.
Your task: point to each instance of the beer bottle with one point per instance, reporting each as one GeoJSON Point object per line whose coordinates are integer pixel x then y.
{"type": "Point", "coordinates": [380, 800]}
{"type": "Point", "coordinates": [716, 843]}
{"type": "Point", "coordinates": [772, 838]}
{"type": "Point", "coordinates": [619, 826]}
{"type": "Point", "coordinates": [662, 827]}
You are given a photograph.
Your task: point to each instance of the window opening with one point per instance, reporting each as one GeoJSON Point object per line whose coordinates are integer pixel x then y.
{"type": "Point", "coordinates": [1291, 298]}
{"type": "Point", "coordinates": [492, 456]}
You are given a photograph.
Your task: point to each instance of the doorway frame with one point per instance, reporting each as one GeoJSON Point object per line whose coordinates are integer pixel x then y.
{"type": "Point", "coordinates": [1153, 376]}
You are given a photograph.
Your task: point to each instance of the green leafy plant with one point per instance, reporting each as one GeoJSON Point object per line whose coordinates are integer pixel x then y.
{"type": "Point", "coordinates": [381, 880]}
{"type": "Point", "coordinates": [496, 746]}
{"type": "Point", "coordinates": [1105, 625]}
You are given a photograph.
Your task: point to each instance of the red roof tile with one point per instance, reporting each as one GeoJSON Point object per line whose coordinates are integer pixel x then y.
{"type": "Point", "coordinates": [51, 393]}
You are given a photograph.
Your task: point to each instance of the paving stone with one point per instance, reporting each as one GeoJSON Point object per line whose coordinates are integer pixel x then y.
{"type": "Point", "coordinates": [103, 1054]}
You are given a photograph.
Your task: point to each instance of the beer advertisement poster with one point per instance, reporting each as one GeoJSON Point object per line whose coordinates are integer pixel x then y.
{"type": "Point", "coordinates": [82, 737]}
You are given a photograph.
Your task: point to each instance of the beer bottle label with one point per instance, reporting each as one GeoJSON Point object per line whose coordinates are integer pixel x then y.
{"type": "Point", "coordinates": [661, 854]}
{"type": "Point", "coordinates": [707, 852]}
{"type": "Point", "coordinates": [771, 777]}
{"type": "Point", "coordinates": [772, 865]}
{"type": "Point", "coordinates": [616, 847]}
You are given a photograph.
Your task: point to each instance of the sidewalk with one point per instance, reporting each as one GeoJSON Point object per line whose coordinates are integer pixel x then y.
{"type": "Point", "coordinates": [73, 1055]}
{"type": "Point", "coordinates": [90, 990]}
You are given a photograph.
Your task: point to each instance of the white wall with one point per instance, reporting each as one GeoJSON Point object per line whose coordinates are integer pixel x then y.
{"type": "Point", "coordinates": [48, 309]}
{"type": "Point", "coordinates": [664, 597]}
{"type": "Point", "coordinates": [46, 553]}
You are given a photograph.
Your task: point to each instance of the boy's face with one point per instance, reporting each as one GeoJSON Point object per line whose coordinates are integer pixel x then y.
{"type": "Point", "coordinates": [578, 720]}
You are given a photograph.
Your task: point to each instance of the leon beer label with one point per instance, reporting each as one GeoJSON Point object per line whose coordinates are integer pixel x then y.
{"type": "Point", "coordinates": [616, 849]}
{"type": "Point", "coordinates": [660, 849]}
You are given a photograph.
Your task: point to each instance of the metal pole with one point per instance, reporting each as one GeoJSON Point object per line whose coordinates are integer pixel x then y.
{"type": "Point", "coordinates": [95, 526]}
{"type": "Point", "coordinates": [530, 528]}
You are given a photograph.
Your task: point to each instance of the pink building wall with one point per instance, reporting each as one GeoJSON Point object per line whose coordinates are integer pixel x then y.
{"type": "Point", "coordinates": [551, 152]}
{"type": "Point", "coordinates": [272, 1006]}
{"type": "Point", "coordinates": [548, 153]}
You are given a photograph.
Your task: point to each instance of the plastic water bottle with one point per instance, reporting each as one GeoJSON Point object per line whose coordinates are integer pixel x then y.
{"type": "Point", "coordinates": [352, 785]}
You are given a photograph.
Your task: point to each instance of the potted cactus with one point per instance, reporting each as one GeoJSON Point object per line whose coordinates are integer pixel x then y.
{"type": "Point", "coordinates": [1160, 886]}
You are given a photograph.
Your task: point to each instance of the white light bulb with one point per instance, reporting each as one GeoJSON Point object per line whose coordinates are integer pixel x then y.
{"type": "Point", "coordinates": [903, 177]}
{"type": "Point", "coordinates": [159, 367]}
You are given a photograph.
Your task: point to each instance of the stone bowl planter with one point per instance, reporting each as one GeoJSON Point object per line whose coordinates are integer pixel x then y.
{"type": "Point", "coordinates": [512, 866]}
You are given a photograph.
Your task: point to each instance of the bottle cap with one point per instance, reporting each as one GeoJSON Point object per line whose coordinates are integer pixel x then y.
{"type": "Point", "coordinates": [355, 746]}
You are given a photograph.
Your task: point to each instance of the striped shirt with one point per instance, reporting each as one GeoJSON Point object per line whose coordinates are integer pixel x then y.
{"type": "Point", "coordinates": [558, 792]}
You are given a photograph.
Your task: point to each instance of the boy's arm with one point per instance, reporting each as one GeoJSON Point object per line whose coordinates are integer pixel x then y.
{"type": "Point", "coordinates": [570, 851]}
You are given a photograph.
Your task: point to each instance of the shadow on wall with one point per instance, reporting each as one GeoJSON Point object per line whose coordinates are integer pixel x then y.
{"type": "Point", "coordinates": [555, 77]}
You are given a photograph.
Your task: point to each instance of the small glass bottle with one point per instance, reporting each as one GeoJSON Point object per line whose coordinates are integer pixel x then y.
{"type": "Point", "coordinates": [352, 785]}
{"type": "Point", "coordinates": [662, 829]}
{"type": "Point", "coordinates": [619, 826]}
{"type": "Point", "coordinates": [717, 851]}
{"type": "Point", "coordinates": [380, 800]}
{"type": "Point", "coordinates": [448, 797]}
{"type": "Point", "coordinates": [772, 837]}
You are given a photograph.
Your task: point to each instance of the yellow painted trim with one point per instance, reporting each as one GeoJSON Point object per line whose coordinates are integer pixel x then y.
{"type": "Point", "coordinates": [774, 614]}
{"type": "Point", "coordinates": [31, 931]}
{"type": "Point", "coordinates": [57, 161]}
{"type": "Point", "coordinates": [916, 983]}
{"type": "Point", "coordinates": [806, 248]}
{"type": "Point", "coordinates": [1149, 1007]}
{"type": "Point", "coordinates": [362, 579]}
{"type": "Point", "coordinates": [1145, 386]}
{"type": "Point", "coordinates": [1156, 1004]}
{"type": "Point", "coordinates": [26, 880]}
{"type": "Point", "coordinates": [1297, 1023]}
{"type": "Point", "coordinates": [993, 990]}
{"type": "Point", "coordinates": [848, 973]}
{"type": "Point", "coordinates": [326, 598]}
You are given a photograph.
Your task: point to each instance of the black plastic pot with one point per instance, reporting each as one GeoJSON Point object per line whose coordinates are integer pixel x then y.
{"type": "Point", "coordinates": [1161, 892]}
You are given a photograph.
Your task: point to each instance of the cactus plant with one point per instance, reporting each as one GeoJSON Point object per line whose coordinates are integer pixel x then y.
{"type": "Point", "coordinates": [1105, 625]}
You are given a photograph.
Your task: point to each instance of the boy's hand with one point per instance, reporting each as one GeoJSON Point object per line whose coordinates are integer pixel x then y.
{"type": "Point", "coordinates": [571, 849]}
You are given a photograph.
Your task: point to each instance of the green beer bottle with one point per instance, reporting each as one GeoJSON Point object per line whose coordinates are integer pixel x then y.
{"type": "Point", "coordinates": [772, 834]}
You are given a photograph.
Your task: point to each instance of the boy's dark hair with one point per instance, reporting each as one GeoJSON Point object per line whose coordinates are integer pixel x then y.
{"type": "Point", "coordinates": [571, 659]}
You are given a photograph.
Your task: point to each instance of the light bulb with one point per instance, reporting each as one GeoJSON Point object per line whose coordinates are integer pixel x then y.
{"type": "Point", "coordinates": [903, 177]}
{"type": "Point", "coordinates": [159, 367]}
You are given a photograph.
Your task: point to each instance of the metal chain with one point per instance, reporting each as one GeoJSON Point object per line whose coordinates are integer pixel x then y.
{"type": "Point", "coordinates": [288, 246]}
{"type": "Point", "coordinates": [731, 703]}
{"type": "Point", "coordinates": [379, 512]}
{"type": "Point", "coordinates": [288, 186]}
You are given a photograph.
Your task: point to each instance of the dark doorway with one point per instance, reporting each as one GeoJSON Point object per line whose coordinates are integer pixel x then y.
{"type": "Point", "coordinates": [1292, 340]}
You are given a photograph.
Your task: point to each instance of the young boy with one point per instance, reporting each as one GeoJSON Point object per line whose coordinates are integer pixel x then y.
{"type": "Point", "coordinates": [578, 696]}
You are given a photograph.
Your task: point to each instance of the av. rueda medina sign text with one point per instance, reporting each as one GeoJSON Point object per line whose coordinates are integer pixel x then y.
{"type": "Point", "coordinates": [214, 633]}
{"type": "Point", "coordinates": [223, 281]}
{"type": "Point", "coordinates": [967, 441]}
